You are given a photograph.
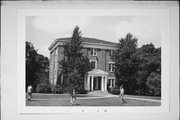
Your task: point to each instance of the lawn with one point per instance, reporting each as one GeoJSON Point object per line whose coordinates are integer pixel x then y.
{"type": "Point", "coordinates": [85, 100]}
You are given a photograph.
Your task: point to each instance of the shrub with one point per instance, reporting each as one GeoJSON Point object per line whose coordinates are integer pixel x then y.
{"type": "Point", "coordinates": [82, 92]}
{"type": "Point", "coordinates": [58, 89]}
{"type": "Point", "coordinates": [43, 88]}
{"type": "Point", "coordinates": [114, 91]}
{"type": "Point", "coordinates": [154, 83]}
{"type": "Point", "coordinates": [139, 92]}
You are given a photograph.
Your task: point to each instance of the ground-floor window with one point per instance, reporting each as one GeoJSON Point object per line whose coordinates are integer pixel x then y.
{"type": "Point", "coordinates": [111, 82]}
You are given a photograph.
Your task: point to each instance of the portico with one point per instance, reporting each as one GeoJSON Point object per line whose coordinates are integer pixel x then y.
{"type": "Point", "coordinates": [96, 80]}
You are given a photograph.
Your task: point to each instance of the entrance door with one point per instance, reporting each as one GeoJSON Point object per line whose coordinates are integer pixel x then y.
{"type": "Point", "coordinates": [99, 83]}
{"type": "Point", "coordinates": [90, 84]}
{"type": "Point", "coordinates": [95, 83]}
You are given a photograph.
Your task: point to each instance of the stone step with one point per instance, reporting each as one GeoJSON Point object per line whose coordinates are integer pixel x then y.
{"type": "Point", "coordinates": [98, 93]}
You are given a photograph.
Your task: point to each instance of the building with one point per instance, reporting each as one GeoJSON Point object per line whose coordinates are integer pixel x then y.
{"type": "Point", "coordinates": [99, 53]}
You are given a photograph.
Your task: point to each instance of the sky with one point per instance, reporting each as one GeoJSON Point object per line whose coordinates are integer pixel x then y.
{"type": "Point", "coordinates": [41, 31]}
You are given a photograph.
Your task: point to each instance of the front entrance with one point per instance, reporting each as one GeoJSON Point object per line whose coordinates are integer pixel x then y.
{"type": "Point", "coordinates": [96, 80]}
{"type": "Point", "coordinates": [97, 83]}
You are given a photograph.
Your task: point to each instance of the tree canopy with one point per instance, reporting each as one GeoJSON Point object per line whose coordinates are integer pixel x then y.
{"type": "Point", "coordinates": [37, 67]}
{"type": "Point", "coordinates": [74, 65]}
{"type": "Point", "coordinates": [136, 68]}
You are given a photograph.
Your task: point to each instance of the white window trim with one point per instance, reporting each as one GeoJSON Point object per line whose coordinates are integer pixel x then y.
{"type": "Point", "coordinates": [112, 78]}
{"type": "Point", "coordinates": [95, 63]}
{"type": "Point", "coordinates": [94, 49]}
{"type": "Point", "coordinates": [108, 66]}
{"type": "Point", "coordinates": [111, 52]}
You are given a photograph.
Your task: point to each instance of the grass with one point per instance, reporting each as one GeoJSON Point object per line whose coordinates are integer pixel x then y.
{"type": "Point", "coordinates": [64, 100]}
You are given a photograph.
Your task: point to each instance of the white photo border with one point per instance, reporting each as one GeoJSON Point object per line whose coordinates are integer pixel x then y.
{"type": "Point", "coordinates": [21, 36]}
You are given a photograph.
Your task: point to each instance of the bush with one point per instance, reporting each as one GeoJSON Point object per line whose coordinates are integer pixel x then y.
{"type": "Point", "coordinates": [82, 92]}
{"type": "Point", "coordinates": [139, 92]}
{"type": "Point", "coordinates": [58, 89]}
{"type": "Point", "coordinates": [114, 91]}
{"type": "Point", "coordinates": [154, 83]}
{"type": "Point", "coordinates": [43, 88]}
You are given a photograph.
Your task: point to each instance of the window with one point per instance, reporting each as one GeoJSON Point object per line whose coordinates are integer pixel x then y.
{"type": "Point", "coordinates": [110, 52]}
{"type": "Point", "coordinates": [51, 67]}
{"type": "Point", "coordinates": [55, 66]}
{"type": "Point", "coordinates": [111, 67]}
{"type": "Point", "coordinates": [56, 51]}
{"type": "Point", "coordinates": [112, 82]}
{"type": "Point", "coordinates": [55, 58]}
{"type": "Point", "coordinates": [93, 64]}
{"type": "Point", "coordinates": [94, 52]}
{"type": "Point", "coordinates": [56, 55]}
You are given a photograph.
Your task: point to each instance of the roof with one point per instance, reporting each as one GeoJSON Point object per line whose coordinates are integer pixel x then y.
{"type": "Point", "coordinates": [97, 72]}
{"type": "Point", "coordinates": [91, 40]}
{"type": "Point", "coordinates": [85, 40]}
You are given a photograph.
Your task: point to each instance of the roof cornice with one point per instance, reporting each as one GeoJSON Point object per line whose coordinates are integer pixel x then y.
{"type": "Point", "coordinates": [85, 44]}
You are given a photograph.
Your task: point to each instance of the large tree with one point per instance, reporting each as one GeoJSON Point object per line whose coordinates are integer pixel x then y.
{"type": "Point", "coordinates": [31, 64]}
{"type": "Point", "coordinates": [138, 69]}
{"type": "Point", "coordinates": [74, 64]}
{"type": "Point", "coordinates": [126, 62]}
{"type": "Point", "coordinates": [37, 67]}
{"type": "Point", "coordinates": [149, 65]}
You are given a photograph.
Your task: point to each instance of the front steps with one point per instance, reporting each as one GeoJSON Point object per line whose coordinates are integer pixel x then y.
{"type": "Point", "coordinates": [98, 93]}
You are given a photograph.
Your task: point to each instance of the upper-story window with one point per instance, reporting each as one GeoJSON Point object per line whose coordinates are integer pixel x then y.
{"type": "Point", "coordinates": [55, 66]}
{"type": "Point", "coordinates": [56, 51]}
{"type": "Point", "coordinates": [111, 66]}
{"type": "Point", "coordinates": [110, 52]}
{"type": "Point", "coordinates": [93, 64]}
{"type": "Point", "coordinates": [94, 52]}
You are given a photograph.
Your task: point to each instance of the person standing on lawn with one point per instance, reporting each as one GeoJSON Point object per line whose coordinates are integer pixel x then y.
{"type": "Point", "coordinates": [121, 95]}
{"type": "Point", "coordinates": [29, 92]}
{"type": "Point", "coordinates": [73, 96]}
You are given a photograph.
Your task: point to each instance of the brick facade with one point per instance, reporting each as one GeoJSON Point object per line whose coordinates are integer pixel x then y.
{"type": "Point", "coordinates": [103, 58]}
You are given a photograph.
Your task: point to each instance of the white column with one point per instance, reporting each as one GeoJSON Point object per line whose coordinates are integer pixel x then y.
{"type": "Point", "coordinates": [114, 83]}
{"type": "Point", "coordinates": [85, 83]}
{"type": "Point", "coordinates": [101, 83]}
{"type": "Point", "coordinates": [105, 85]}
{"type": "Point", "coordinates": [88, 82]}
{"type": "Point", "coordinates": [92, 80]}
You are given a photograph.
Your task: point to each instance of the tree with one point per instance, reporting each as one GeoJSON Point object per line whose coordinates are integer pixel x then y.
{"type": "Point", "coordinates": [31, 64]}
{"type": "Point", "coordinates": [74, 65]}
{"type": "Point", "coordinates": [126, 62]}
{"type": "Point", "coordinates": [154, 83]}
{"type": "Point", "coordinates": [149, 61]}
{"type": "Point", "coordinates": [37, 67]}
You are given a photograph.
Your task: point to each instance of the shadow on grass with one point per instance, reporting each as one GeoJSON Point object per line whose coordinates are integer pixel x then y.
{"type": "Point", "coordinates": [76, 104]}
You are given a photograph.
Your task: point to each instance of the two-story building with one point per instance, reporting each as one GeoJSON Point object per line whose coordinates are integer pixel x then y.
{"type": "Point", "coordinates": [99, 53]}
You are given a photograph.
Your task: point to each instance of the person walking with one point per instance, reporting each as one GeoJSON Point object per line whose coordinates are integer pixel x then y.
{"type": "Point", "coordinates": [121, 95]}
{"type": "Point", "coordinates": [73, 96]}
{"type": "Point", "coordinates": [29, 92]}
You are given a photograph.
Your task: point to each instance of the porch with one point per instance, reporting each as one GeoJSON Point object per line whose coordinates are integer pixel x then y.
{"type": "Point", "coordinates": [96, 80]}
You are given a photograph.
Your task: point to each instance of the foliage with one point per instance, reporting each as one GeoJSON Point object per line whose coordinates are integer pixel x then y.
{"type": "Point", "coordinates": [58, 89]}
{"type": "Point", "coordinates": [126, 62]}
{"type": "Point", "coordinates": [37, 67]}
{"type": "Point", "coordinates": [82, 91]}
{"type": "Point", "coordinates": [154, 83]}
{"type": "Point", "coordinates": [135, 66]}
{"type": "Point", "coordinates": [43, 88]}
{"type": "Point", "coordinates": [114, 91]}
{"type": "Point", "coordinates": [149, 61]}
{"type": "Point", "coordinates": [74, 65]}
{"type": "Point", "coordinates": [31, 54]}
